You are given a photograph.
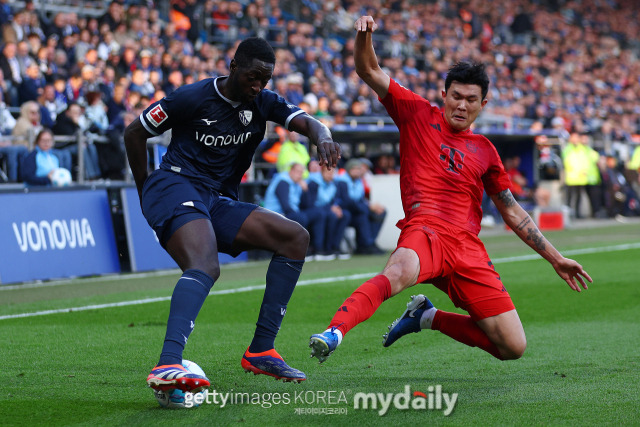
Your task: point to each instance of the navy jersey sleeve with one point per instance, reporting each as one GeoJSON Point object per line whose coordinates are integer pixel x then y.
{"type": "Point", "coordinates": [161, 116]}
{"type": "Point", "coordinates": [276, 109]}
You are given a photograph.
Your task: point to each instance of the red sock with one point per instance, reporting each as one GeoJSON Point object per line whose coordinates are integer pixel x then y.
{"type": "Point", "coordinates": [461, 328]}
{"type": "Point", "coordinates": [362, 303]}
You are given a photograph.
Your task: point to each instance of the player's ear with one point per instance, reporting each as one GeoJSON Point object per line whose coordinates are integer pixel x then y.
{"type": "Point", "coordinates": [484, 102]}
{"type": "Point", "coordinates": [444, 94]}
{"type": "Point", "coordinates": [233, 65]}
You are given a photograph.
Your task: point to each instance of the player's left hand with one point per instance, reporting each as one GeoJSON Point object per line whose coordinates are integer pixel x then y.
{"type": "Point", "coordinates": [329, 152]}
{"type": "Point", "coordinates": [572, 273]}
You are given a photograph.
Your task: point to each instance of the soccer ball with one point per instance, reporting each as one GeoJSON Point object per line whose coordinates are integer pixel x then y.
{"type": "Point", "coordinates": [61, 177]}
{"type": "Point", "coordinates": [175, 398]}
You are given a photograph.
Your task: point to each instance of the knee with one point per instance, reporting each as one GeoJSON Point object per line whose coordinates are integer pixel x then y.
{"type": "Point", "coordinates": [296, 242]}
{"type": "Point", "coordinates": [301, 237]}
{"type": "Point", "coordinates": [399, 278]}
{"type": "Point", "coordinates": [213, 271]}
{"type": "Point", "coordinates": [514, 350]}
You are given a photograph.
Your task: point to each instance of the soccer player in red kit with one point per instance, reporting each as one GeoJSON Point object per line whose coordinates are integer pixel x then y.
{"type": "Point", "coordinates": [444, 168]}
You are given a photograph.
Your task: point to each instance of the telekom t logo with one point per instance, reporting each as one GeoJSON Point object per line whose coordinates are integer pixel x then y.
{"type": "Point", "coordinates": [449, 156]}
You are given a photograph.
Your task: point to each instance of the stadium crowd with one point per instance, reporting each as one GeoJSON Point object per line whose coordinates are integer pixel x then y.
{"type": "Point", "coordinates": [558, 65]}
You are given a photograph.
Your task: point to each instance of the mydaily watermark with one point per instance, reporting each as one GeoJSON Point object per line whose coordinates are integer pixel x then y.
{"type": "Point", "coordinates": [433, 399]}
{"type": "Point", "coordinates": [333, 402]}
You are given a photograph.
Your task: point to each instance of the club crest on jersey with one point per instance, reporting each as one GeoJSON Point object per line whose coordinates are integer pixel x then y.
{"type": "Point", "coordinates": [246, 116]}
{"type": "Point", "coordinates": [157, 115]}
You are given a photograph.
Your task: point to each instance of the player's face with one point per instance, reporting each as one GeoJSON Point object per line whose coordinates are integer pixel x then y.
{"type": "Point", "coordinates": [462, 104]}
{"type": "Point", "coordinates": [249, 81]}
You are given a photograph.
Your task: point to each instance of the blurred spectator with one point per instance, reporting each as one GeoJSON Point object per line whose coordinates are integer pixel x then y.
{"type": "Point", "coordinates": [11, 71]}
{"type": "Point", "coordinates": [579, 163]}
{"type": "Point", "coordinates": [174, 81]}
{"type": "Point", "coordinates": [71, 123]}
{"type": "Point", "coordinates": [549, 162]}
{"type": "Point", "coordinates": [519, 183]}
{"type": "Point", "coordinates": [50, 106]}
{"type": "Point", "coordinates": [284, 196]}
{"type": "Point", "coordinates": [40, 164]}
{"type": "Point", "coordinates": [366, 217]}
{"type": "Point", "coordinates": [633, 169]}
{"type": "Point", "coordinates": [594, 180]}
{"type": "Point", "coordinates": [292, 151]}
{"type": "Point", "coordinates": [620, 198]}
{"type": "Point", "coordinates": [32, 84]}
{"type": "Point", "coordinates": [140, 84]}
{"type": "Point", "coordinates": [114, 15]}
{"type": "Point", "coordinates": [27, 125]}
{"type": "Point", "coordinates": [10, 152]}
{"type": "Point", "coordinates": [111, 158]}
{"type": "Point", "coordinates": [322, 194]}
{"type": "Point", "coordinates": [96, 114]}
{"type": "Point", "coordinates": [385, 163]}
{"type": "Point", "coordinates": [294, 92]}
{"type": "Point", "coordinates": [7, 122]}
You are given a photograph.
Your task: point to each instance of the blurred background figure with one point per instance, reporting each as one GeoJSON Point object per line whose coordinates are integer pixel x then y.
{"type": "Point", "coordinates": [284, 196]}
{"type": "Point", "coordinates": [366, 217]}
{"type": "Point", "coordinates": [293, 151]}
{"type": "Point", "coordinates": [322, 194]}
{"type": "Point", "coordinates": [40, 164]}
{"type": "Point", "coordinates": [579, 162]}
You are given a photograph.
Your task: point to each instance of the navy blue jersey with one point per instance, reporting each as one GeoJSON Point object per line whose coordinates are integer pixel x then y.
{"type": "Point", "coordinates": [213, 139]}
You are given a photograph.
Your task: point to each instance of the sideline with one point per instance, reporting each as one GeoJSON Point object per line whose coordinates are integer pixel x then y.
{"type": "Point", "coordinates": [309, 282]}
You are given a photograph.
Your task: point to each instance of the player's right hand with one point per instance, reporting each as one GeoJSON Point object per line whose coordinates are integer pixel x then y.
{"type": "Point", "coordinates": [365, 23]}
{"type": "Point", "coordinates": [329, 152]}
{"type": "Point", "coordinates": [572, 273]}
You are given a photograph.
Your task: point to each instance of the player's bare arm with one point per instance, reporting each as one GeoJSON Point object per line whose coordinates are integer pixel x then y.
{"type": "Point", "coordinates": [520, 222]}
{"type": "Point", "coordinates": [366, 61]}
{"type": "Point", "coordinates": [329, 151]}
{"type": "Point", "coordinates": [135, 141]}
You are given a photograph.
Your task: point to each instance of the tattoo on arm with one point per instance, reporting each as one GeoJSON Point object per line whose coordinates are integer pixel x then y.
{"type": "Point", "coordinates": [524, 223]}
{"type": "Point", "coordinates": [507, 198]}
{"type": "Point", "coordinates": [536, 237]}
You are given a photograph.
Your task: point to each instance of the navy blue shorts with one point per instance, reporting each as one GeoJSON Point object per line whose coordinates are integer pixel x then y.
{"type": "Point", "coordinates": [170, 200]}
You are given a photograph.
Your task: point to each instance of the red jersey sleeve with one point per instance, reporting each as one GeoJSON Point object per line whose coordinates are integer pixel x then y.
{"type": "Point", "coordinates": [496, 178]}
{"type": "Point", "coordinates": [401, 103]}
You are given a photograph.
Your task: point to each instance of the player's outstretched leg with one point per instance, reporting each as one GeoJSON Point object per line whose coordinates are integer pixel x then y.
{"type": "Point", "coordinates": [357, 308]}
{"type": "Point", "coordinates": [168, 377]}
{"type": "Point", "coordinates": [322, 345]}
{"type": "Point", "coordinates": [418, 315]}
{"type": "Point", "coordinates": [271, 363]}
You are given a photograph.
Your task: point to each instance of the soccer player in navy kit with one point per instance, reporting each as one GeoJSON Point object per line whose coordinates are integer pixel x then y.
{"type": "Point", "coordinates": [191, 202]}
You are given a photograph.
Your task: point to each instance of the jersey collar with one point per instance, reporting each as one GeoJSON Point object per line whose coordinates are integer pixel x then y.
{"type": "Point", "coordinates": [234, 104]}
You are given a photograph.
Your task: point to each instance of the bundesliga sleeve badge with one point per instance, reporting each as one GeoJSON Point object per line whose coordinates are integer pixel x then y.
{"type": "Point", "coordinates": [156, 116]}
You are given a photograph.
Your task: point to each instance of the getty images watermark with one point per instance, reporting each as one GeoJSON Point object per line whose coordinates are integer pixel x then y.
{"type": "Point", "coordinates": [333, 402]}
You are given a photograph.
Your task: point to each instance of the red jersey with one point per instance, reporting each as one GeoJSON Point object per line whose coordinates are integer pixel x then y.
{"type": "Point", "coordinates": [442, 172]}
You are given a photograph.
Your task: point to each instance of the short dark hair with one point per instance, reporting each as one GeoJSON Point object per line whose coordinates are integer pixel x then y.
{"type": "Point", "coordinates": [254, 48]}
{"type": "Point", "coordinates": [473, 73]}
{"type": "Point", "coordinates": [42, 132]}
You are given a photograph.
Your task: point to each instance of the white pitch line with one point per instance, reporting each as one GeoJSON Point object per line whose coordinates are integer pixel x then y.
{"type": "Point", "coordinates": [305, 283]}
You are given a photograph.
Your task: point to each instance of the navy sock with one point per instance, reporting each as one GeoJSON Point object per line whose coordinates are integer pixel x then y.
{"type": "Point", "coordinates": [282, 276]}
{"type": "Point", "coordinates": [187, 299]}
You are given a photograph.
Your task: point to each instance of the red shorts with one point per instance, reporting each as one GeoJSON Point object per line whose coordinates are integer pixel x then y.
{"type": "Point", "coordinates": [456, 262]}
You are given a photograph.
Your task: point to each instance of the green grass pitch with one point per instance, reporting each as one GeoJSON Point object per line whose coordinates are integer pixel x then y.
{"type": "Point", "coordinates": [89, 367]}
